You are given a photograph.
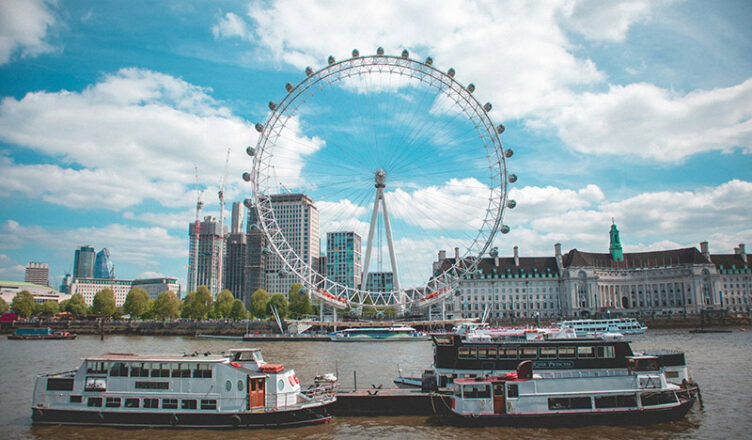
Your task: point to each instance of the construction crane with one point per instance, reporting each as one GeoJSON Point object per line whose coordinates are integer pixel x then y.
{"type": "Point", "coordinates": [197, 230]}
{"type": "Point", "coordinates": [221, 195]}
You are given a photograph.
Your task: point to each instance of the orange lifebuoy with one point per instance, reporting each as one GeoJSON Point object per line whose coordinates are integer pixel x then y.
{"type": "Point", "coordinates": [295, 376]}
{"type": "Point", "coordinates": [292, 381]}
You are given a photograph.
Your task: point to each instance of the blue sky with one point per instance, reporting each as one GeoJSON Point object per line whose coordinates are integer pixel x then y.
{"type": "Point", "coordinates": [639, 111]}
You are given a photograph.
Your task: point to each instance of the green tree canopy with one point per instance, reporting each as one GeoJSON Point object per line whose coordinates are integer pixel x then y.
{"type": "Point", "coordinates": [104, 303]}
{"type": "Point", "coordinates": [259, 302]}
{"type": "Point", "coordinates": [136, 302]}
{"type": "Point", "coordinates": [167, 305]}
{"type": "Point", "coordinates": [50, 307]}
{"type": "Point", "coordinates": [223, 305]}
{"type": "Point", "coordinates": [280, 302]}
{"type": "Point", "coordinates": [198, 304]}
{"type": "Point", "coordinates": [4, 307]}
{"type": "Point", "coordinates": [76, 305]}
{"type": "Point", "coordinates": [238, 310]}
{"type": "Point", "coordinates": [23, 304]}
{"type": "Point", "coordinates": [299, 304]}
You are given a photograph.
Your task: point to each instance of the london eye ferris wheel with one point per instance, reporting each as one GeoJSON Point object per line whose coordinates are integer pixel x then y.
{"type": "Point", "coordinates": [397, 152]}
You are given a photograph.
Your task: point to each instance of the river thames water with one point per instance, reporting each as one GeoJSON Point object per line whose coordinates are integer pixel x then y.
{"type": "Point", "coordinates": [720, 363]}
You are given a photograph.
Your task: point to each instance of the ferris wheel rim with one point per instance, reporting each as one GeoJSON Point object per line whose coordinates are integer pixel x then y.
{"type": "Point", "coordinates": [441, 285]}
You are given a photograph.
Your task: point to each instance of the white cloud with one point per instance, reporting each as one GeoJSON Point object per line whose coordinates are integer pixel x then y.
{"type": "Point", "coordinates": [650, 122]}
{"type": "Point", "coordinates": [138, 246]}
{"type": "Point", "coordinates": [148, 274]}
{"type": "Point", "coordinates": [23, 28]}
{"type": "Point", "coordinates": [610, 20]}
{"type": "Point", "coordinates": [230, 25]}
{"type": "Point", "coordinates": [134, 135]}
{"type": "Point", "coordinates": [534, 201]}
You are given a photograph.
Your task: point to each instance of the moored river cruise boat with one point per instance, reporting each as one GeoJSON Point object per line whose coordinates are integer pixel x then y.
{"type": "Point", "coordinates": [597, 327]}
{"type": "Point", "coordinates": [380, 334]}
{"type": "Point", "coordinates": [639, 396]}
{"type": "Point", "coordinates": [238, 390]}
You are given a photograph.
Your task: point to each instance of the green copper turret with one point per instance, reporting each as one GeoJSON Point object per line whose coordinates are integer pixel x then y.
{"type": "Point", "coordinates": [615, 246]}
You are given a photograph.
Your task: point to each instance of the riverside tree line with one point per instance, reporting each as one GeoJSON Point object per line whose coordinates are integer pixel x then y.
{"type": "Point", "coordinates": [198, 304]}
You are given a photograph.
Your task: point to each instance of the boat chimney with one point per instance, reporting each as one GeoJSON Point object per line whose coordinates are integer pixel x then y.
{"type": "Point", "coordinates": [516, 256]}
{"type": "Point", "coordinates": [704, 250]}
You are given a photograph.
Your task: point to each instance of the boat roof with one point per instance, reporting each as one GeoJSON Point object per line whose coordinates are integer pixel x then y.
{"type": "Point", "coordinates": [133, 357]}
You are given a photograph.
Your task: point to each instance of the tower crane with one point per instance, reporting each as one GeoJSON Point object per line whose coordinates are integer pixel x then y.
{"type": "Point", "coordinates": [197, 230]}
{"type": "Point", "coordinates": [221, 195]}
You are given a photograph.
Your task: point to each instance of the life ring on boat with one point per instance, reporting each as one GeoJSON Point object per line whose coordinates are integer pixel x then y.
{"type": "Point", "coordinates": [174, 420]}
{"type": "Point", "coordinates": [295, 376]}
{"type": "Point", "coordinates": [235, 420]}
{"type": "Point", "coordinates": [291, 380]}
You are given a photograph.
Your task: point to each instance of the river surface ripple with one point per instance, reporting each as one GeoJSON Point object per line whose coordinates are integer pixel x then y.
{"type": "Point", "coordinates": [720, 363]}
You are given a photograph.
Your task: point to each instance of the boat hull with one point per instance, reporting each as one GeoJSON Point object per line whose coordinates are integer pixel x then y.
{"type": "Point", "coordinates": [40, 337]}
{"type": "Point", "coordinates": [306, 415]}
{"type": "Point", "coordinates": [625, 417]}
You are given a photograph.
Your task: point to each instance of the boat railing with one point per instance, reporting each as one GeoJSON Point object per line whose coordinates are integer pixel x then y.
{"type": "Point", "coordinates": [582, 373]}
{"type": "Point", "coordinates": [61, 374]}
{"type": "Point", "coordinates": [322, 389]}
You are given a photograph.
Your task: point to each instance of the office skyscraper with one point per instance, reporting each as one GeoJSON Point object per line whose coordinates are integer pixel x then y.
{"type": "Point", "coordinates": [103, 267]}
{"type": "Point", "coordinates": [235, 254]}
{"type": "Point", "coordinates": [37, 273]}
{"type": "Point", "coordinates": [254, 275]}
{"type": "Point", "coordinates": [343, 258]}
{"type": "Point", "coordinates": [206, 262]}
{"type": "Point", "coordinates": [83, 262]}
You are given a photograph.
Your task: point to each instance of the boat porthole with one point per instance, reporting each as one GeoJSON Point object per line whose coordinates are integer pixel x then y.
{"type": "Point", "coordinates": [281, 385]}
{"type": "Point", "coordinates": [228, 385]}
{"type": "Point", "coordinates": [240, 385]}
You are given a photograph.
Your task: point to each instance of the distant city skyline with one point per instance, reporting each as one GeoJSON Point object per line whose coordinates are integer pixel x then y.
{"type": "Point", "coordinates": [637, 111]}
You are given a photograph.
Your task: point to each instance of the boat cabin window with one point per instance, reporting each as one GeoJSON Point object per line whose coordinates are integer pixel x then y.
{"type": "Point", "coordinates": [59, 384]}
{"type": "Point", "coordinates": [202, 370]}
{"type": "Point", "coordinates": [457, 389]}
{"type": "Point", "coordinates": [487, 352]}
{"type": "Point", "coordinates": [95, 384]}
{"type": "Point", "coordinates": [140, 369]}
{"type": "Point", "coordinates": [476, 391]}
{"type": "Point", "coordinates": [95, 367]}
{"type": "Point", "coordinates": [132, 403]}
{"type": "Point", "coordinates": [528, 353]}
{"type": "Point", "coordinates": [468, 353]}
{"type": "Point", "coordinates": [650, 399]}
{"type": "Point", "coordinates": [119, 369]}
{"type": "Point", "coordinates": [557, 403]}
{"type": "Point", "coordinates": [606, 351]}
{"type": "Point", "coordinates": [566, 352]}
{"type": "Point", "coordinates": [617, 401]}
{"type": "Point", "coordinates": [112, 402]}
{"type": "Point", "coordinates": [498, 389]}
{"type": "Point", "coordinates": [169, 403]}
{"type": "Point", "coordinates": [94, 401]}
{"type": "Point", "coordinates": [512, 390]}
{"type": "Point", "coordinates": [507, 353]}
{"type": "Point", "coordinates": [75, 399]}
{"type": "Point", "coordinates": [160, 369]}
{"type": "Point", "coordinates": [209, 404]}
{"type": "Point", "coordinates": [586, 352]}
{"type": "Point", "coordinates": [548, 353]}
{"type": "Point", "coordinates": [188, 404]}
{"type": "Point", "coordinates": [153, 385]}
{"type": "Point", "coordinates": [151, 403]}
{"type": "Point", "coordinates": [644, 364]}
{"type": "Point", "coordinates": [181, 370]}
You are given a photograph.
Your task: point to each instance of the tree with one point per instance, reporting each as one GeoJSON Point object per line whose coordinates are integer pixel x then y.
{"type": "Point", "coordinates": [299, 304]}
{"type": "Point", "coordinates": [167, 305]}
{"type": "Point", "coordinates": [104, 303]}
{"type": "Point", "coordinates": [50, 308]}
{"type": "Point", "coordinates": [23, 304]}
{"type": "Point", "coordinates": [259, 302]}
{"type": "Point", "coordinates": [136, 302]}
{"type": "Point", "coordinates": [4, 307]}
{"type": "Point", "coordinates": [238, 311]}
{"type": "Point", "coordinates": [280, 302]}
{"type": "Point", "coordinates": [197, 304]}
{"type": "Point", "coordinates": [76, 305]}
{"type": "Point", "coordinates": [224, 303]}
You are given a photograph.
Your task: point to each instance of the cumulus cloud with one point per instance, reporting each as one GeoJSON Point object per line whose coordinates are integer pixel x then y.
{"type": "Point", "coordinates": [230, 25]}
{"type": "Point", "coordinates": [23, 28]}
{"type": "Point", "coordinates": [598, 20]}
{"type": "Point", "coordinates": [647, 121]}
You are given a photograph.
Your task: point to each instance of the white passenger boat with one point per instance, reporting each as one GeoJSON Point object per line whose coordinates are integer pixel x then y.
{"type": "Point", "coordinates": [641, 395]}
{"type": "Point", "coordinates": [209, 391]}
{"type": "Point", "coordinates": [597, 327]}
{"type": "Point", "coordinates": [401, 333]}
